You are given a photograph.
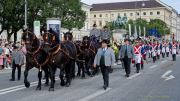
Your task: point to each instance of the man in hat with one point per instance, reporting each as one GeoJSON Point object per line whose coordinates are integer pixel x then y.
{"type": "Point", "coordinates": [105, 58]}
{"type": "Point", "coordinates": [105, 34]}
{"type": "Point", "coordinates": [95, 32]}
{"type": "Point", "coordinates": [17, 62]}
{"type": "Point", "coordinates": [126, 53]}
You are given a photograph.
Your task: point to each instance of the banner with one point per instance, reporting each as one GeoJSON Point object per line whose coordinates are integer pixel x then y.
{"type": "Point", "coordinates": [129, 30]}
{"type": "Point", "coordinates": [55, 25]}
{"type": "Point", "coordinates": [37, 30]}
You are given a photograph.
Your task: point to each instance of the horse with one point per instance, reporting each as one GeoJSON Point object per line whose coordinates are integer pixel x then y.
{"type": "Point", "coordinates": [88, 49]}
{"type": "Point", "coordinates": [62, 56]}
{"type": "Point", "coordinates": [35, 57]}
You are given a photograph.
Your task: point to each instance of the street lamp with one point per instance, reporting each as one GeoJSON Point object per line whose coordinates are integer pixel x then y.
{"type": "Point", "coordinates": [142, 6]}
{"type": "Point", "coordinates": [25, 13]}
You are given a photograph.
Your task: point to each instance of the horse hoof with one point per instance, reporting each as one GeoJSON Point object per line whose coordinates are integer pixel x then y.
{"type": "Point", "coordinates": [46, 84]}
{"type": "Point", "coordinates": [51, 89]}
{"type": "Point", "coordinates": [83, 77]}
{"type": "Point", "coordinates": [67, 84]}
{"type": "Point", "coordinates": [27, 84]}
{"type": "Point", "coordinates": [38, 88]}
{"type": "Point", "coordinates": [63, 84]}
{"type": "Point", "coordinates": [78, 74]}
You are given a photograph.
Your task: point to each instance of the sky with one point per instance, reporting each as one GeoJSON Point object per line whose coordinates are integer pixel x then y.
{"type": "Point", "coordinates": [174, 3]}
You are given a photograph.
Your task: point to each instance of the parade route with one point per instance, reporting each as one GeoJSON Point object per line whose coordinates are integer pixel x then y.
{"type": "Point", "coordinates": [152, 83]}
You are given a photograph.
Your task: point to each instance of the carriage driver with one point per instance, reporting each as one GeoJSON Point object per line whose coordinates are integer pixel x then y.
{"type": "Point", "coordinates": [95, 32]}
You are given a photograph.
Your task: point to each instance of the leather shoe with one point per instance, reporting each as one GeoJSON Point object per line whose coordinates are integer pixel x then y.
{"type": "Point", "coordinates": [105, 87]}
{"type": "Point", "coordinates": [127, 75]}
{"type": "Point", "coordinates": [11, 80]}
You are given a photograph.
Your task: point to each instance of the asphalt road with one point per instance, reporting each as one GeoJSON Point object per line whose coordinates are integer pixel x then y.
{"type": "Point", "coordinates": [159, 81]}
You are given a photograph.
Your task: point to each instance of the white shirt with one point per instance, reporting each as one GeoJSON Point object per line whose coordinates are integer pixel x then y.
{"type": "Point", "coordinates": [6, 51]}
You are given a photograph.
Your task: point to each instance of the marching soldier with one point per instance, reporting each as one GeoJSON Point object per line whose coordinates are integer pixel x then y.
{"type": "Point", "coordinates": [149, 48]}
{"type": "Point", "coordinates": [143, 53]}
{"type": "Point", "coordinates": [126, 53]}
{"type": "Point", "coordinates": [174, 50]}
{"type": "Point", "coordinates": [154, 51]}
{"type": "Point", "coordinates": [163, 49]}
{"type": "Point", "coordinates": [158, 50]}
{"type": "Point", "coordinates": [105, 58]}
{"type": "Point", "coordinates": [138, 56]}
{"type": "Point", "coordinates": [167, 48]}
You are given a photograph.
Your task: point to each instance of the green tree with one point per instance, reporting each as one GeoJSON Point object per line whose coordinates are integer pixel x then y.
{"type": "Point", "coordinates": [12, 13]}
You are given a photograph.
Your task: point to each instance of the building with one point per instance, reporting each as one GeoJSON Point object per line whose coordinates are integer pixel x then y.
{"type": "Point", "coordinates": [149, 9]}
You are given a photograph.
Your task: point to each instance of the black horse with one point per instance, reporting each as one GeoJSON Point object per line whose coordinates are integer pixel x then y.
{"type": "Point", "coordinates": [62, 56]}
{"type": "Point", "coordinates": [86, 51]}
{"type": "Point", "coordinates": [35, 57]}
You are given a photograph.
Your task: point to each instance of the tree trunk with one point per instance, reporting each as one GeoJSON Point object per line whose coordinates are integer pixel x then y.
{"type": "Point", "coordinates": [15, 37]}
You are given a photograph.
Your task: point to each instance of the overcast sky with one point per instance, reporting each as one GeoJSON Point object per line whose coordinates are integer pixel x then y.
{"type": "Point", "coordinates": [173, 3]}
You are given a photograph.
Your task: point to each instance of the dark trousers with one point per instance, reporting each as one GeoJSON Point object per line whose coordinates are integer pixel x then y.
{"type": "Point", "coordinates": [154, 59]}
{"type": "Point", "coordinates": [14, 66]}
{"type": "Point", "coordinates": [105, 74]}
{"type": "Point", "coordinates": [127, 65]}
{"type": "Point", "coordinates": [158, 56]}
{"type": "Point", "coordinates": [167, 54]}
{"type": "Point", "coordinates": [137, 67]}
{"type": "Point", "coordinates": [163, 55]}
{"type": "Point", "coordinates": [174, 57]}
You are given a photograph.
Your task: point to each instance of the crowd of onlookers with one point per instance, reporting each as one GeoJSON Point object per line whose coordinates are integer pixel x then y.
{"type": "Point", "coordinates": [6, 50]}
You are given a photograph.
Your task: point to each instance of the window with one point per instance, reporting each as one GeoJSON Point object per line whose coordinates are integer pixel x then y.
{"type": "Point", "coordinates": [119, 14]}
{"type": "Point", "coordinates": [144, 13]}
{"type": "Point", "coordinates": [100, 23]}
{"type": "Point", "coordinates": [94, 16]}
{"type": "Point", "coordinates": [151, 13]}
{"type": "Point", "coordinates": [106, 15]}
{"type": "Point", "coordinates": [131, 14]}
{"type": "Point", "coordinates": [100, 15]}
{"type": "Point", "coordinates": [112, 15]}
{"type": "Point", "coordinates": [125, 14]}
{"type": "Point", "coordinates": [158, 12]}
{"type": "Point", "coordinates": [137, 13]}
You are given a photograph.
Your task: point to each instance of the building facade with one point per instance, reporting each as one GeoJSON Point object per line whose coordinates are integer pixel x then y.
{"type": "Point", "coordinates": [102, 13]}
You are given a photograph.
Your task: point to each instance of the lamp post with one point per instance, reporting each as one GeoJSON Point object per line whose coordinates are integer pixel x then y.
{"type": "Point", "coordinates": [25, 13]}
{"type": "Point", "coordinates": [142, 6]}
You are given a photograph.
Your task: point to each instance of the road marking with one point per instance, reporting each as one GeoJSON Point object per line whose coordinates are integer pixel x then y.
{"type": "Point", "coordinates": [98, 93]}
{"type": "Point", "coordinates": [166, 77]}
{"type": "Point", "coordinates": [154, 66]}
{"type": "Point", "coordinates": [164, 61]}
{"type": "Point", "coordinates": [20, 87]}
{"type": "Point", "coordinates": [166, 73]}
{"type": "Point", "coordinates": [169, 78]}
{"type": "Point", "coordinates": [133, 76]}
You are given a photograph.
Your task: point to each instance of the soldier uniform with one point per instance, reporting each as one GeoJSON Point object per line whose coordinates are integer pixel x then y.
{"type": "Point", "coordinates": [154, 52]}
{"type": "Point", "coordinates": [174, 50]}
{"type": "Point", "coordinates": [138, 56]}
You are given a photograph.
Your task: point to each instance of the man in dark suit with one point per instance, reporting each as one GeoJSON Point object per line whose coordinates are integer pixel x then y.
{"type": "Point", "coordinates": [126, 54]}
{"type": "Point", "coordinates": [105, 58]}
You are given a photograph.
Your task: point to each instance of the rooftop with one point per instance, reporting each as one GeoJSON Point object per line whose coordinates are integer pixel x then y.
{"type": "Point", "coordinates": [126, 5]}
